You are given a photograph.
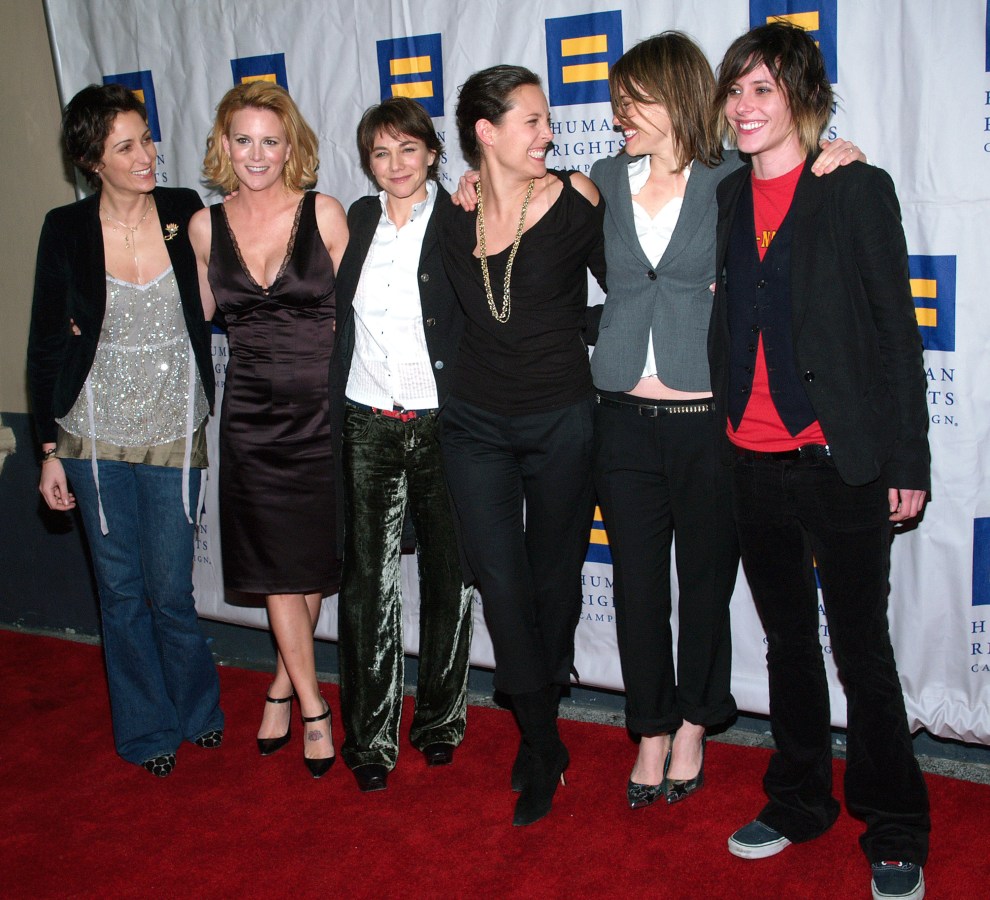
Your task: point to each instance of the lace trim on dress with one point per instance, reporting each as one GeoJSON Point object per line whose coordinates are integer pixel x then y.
{"type": "Point", "coordinates": [288, 250]}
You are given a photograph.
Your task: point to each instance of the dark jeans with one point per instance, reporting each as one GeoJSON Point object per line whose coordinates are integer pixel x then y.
{"type": "Point", "coordinates": [390, 465]}
{"type": "Point", "coordinates": [163, 682]}
{"type": "Point", "coordinates": [658, 478]}
{"type": "Point", "coordinates": [789, 513]}
{"type": "Point", "coordinates": [528, 565]}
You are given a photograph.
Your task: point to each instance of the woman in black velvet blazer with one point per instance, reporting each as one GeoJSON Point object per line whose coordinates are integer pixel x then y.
{"type": "Point", "coordinates": [121, 384]}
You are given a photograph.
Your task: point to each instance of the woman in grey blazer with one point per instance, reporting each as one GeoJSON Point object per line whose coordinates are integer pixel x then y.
{"type": "Point", "coordinates": [656, 464]}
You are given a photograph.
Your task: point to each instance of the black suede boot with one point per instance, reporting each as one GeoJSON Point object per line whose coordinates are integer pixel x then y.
{"type": "Point", "coordinates": [536, 713]}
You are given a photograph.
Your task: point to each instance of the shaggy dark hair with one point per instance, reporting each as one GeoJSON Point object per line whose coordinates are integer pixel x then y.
{"type": "Point", "coordinates": [797, 66]}
{"type": "Point", "coordinates": [87, 121]}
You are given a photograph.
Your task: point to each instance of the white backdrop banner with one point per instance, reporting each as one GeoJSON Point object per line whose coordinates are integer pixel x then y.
{"type": "Point", "coordinates": [913, 78]}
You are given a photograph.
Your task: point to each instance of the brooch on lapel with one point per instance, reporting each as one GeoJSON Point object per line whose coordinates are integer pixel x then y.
{"type": "Point", "coordinates": [171, 230]}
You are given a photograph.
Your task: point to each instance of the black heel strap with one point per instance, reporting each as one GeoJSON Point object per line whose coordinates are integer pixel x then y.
{"type": "Point", "coordinates": [324, 715]}
{"type": "Point", "coordinates": [278, 699]}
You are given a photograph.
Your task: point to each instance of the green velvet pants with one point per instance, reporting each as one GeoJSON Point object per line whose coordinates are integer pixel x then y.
{"type": "Point", "coordinates": [389, 465]}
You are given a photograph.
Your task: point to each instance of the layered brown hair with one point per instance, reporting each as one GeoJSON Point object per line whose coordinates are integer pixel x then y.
{"type": "Point", "coordinates": [670, 69]}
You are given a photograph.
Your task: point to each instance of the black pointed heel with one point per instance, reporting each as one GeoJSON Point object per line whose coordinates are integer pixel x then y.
{"type": "Point", "coordinates": [267, 746]}
{"type": "Point", "coordinates": [677, 790]}
{"type": "Point", "coordinates": [319, 766]}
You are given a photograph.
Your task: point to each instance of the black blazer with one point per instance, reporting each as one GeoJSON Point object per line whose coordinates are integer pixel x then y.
{"type": "Point", "coordinates": [856, 341]}
{"type": "Point", "coordinates": [70, 284]}
{"type": "Point", "coordinates": [443, 321]}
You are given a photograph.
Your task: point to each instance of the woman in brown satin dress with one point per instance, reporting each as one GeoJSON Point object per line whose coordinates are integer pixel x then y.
{"type": "Point", "coordinates": [267, 259]}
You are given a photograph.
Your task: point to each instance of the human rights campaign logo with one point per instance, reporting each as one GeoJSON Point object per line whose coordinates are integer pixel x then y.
{"type": "Point", "coordinates": [270, 67]}
{"type": "Point", "coordinates": [412, 67]}
{"type": "Point", "coordinates": [818, 17]}
{"type": "Point", "coordinates": [143, 86]}
{"type": "Point", "coordinates": [981, 562]}
{"type": "Point", "coordinates": [933, 286]}
{"type": "Point", "coordinates": [598, 549]}
{"type": "Point", "coordinates": [580, 50]}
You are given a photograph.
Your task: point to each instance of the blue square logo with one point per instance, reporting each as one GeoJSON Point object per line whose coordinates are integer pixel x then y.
{"type": "Point", "coordinates": [413, 67]}
{"type": "Point", "coordinates": [270, 67]}
{"type": "Point", "coordinates": [933, 286]}
{"type": "Point", "coordinates": [818, 17]}
{"type": "Point", "coordinates": [580, 51]}
{"type": "Point", "coordinates": [981, 562]}
{"type": "Point", "coordinates": [598, 549]}
{"type": "Point", "coordinates": [143, 85]}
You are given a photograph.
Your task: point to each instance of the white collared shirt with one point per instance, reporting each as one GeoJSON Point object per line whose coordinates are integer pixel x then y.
{"type": "Point", "coordinates": [391, 364]}
{"type": "Point", "coordinates": [654, 234]}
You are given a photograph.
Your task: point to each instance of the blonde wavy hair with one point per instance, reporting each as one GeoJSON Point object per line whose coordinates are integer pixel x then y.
{"type": "Point", "coordinates": [299, 173]}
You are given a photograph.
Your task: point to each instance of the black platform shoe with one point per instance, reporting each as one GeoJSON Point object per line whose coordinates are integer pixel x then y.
{"type": "Point", "coordinates": [160, 766]}
{"type": "Point", "coordinates": [211, 740]}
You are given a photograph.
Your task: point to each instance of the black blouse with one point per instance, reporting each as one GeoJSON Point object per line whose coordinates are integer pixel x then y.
{"type": "Point", "coordinates": [538, 360]}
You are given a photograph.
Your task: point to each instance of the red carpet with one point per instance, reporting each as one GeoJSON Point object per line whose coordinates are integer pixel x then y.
{"type": "Point", "coordinates": [76, 821]}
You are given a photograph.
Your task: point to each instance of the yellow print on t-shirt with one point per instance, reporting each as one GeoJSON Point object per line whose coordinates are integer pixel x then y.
{"type": "Point", "coordinates": [764, 238]}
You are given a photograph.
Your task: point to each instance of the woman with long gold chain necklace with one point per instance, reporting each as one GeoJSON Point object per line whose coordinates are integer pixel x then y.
{"type": "Point", "coordinates": [517, 426]}
{"type": "Point", "coordinates": [121, 384]}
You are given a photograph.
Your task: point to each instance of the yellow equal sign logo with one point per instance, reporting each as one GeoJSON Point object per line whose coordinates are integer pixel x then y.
{"type": "Point", "coordinates": [246, 79]}
{"type": "Point", "coordinates": [582, 46]}
{"type": "Point", "coordinates": [926, 289]}
{"type": "Point", "coordinates": [809, 21]}
{"type": "Point", "coordinates": [598, 535]}
{"type": "Point", "coordinates": [411, 65]}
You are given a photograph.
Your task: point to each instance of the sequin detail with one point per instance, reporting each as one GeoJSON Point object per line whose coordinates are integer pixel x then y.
{"type": "Point", "coordinates": [140, 375]}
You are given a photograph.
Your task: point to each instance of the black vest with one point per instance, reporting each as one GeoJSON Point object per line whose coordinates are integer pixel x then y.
{"type": "Point", "coordinates": [759, 302]}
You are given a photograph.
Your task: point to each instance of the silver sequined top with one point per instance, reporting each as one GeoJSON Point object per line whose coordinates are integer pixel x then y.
{"type": "Point", "coordinates": [141, 374]}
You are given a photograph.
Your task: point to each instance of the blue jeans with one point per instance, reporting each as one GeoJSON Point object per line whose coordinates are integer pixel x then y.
{"type": "Point", "coordinates": [162, 679]}
{"type": "Point", "coordinates": [787, 513]}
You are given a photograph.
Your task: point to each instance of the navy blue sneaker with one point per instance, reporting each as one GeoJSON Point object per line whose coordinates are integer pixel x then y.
{"type": "Point", "coordinates": [757, 841]}
{"type": "Point", "coordinates": [898, 880]}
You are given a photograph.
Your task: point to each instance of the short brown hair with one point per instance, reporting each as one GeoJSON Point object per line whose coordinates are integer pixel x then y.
{"type": "Point", "coordinates": [299, 173]}
{"type": "Point", "coordinates": [671, 69]}
{"type": "Point", "coordinates": [797, 66]}
{"type": "Point", "coordinates": [88, 120]}
{"type": "Point", "coordinates": [397, 116]}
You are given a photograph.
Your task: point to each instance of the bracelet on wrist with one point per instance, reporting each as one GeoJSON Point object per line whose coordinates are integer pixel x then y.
{"type": "Point", "coordinates": [47, 455]}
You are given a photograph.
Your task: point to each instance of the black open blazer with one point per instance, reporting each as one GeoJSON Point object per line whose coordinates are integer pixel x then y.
{"type": "Point", "coordinates": [855, 331]}
{"type": "Point", "coordinates": [70, 286]}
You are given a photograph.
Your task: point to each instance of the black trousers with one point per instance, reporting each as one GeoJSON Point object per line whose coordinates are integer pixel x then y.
{"type": "Point", "coordinates": [390, 465]}
{"type": "Point", "coordinates": [527, 564]}
{"type": "Point", "coordinates": [657, 480]}
{"type": "Point", "coordinates": [790, 513]}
